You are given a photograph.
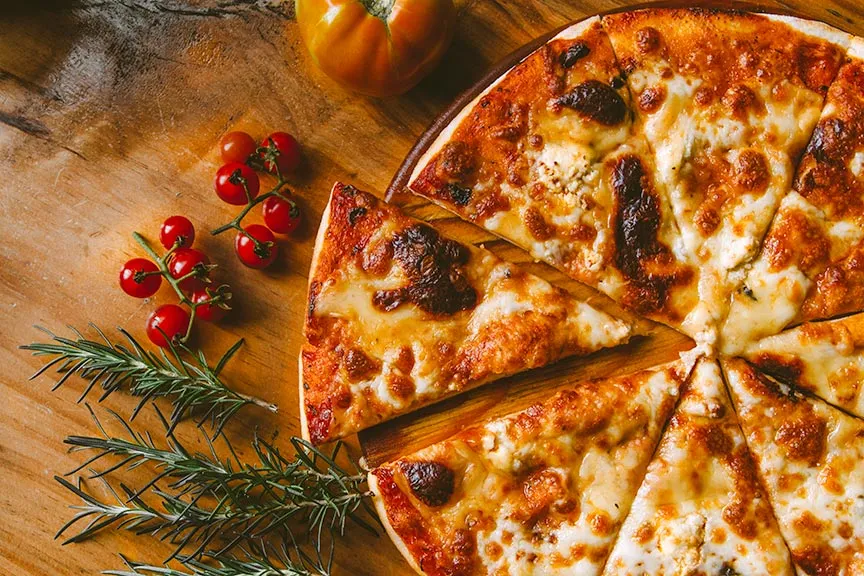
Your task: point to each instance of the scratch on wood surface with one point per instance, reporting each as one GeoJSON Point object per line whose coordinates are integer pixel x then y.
{"type": "Point", "coordinates": [210, 9]}
{"type": "Point", "coordinates": [36, 129]}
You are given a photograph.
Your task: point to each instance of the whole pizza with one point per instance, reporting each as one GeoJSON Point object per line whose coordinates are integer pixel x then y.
{"type": "Point", "coordinates": [703, 169]}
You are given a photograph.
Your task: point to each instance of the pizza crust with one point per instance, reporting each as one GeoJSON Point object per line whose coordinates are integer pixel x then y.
{"type": "Point", "coordinates": [381, 509]}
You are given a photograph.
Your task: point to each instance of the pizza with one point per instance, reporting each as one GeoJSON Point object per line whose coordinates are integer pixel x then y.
{"type": "Point", "coordinates": [811, 457]}
{"type": "Point", "coordinates": [399, 316]}
{"type": "Point", "coordinates": [823, 358]}
{"type": "Point", "coordinates": [538, 492]}
{"type": "Point", "coordinates": [703, 168]}
{"type": "Point", "coordinates": [545, 157]}
{"type": "Point", "coordinates": [810, 266]}
{"type": "Point", "coordinates": [702, 508]}
{"type": "Point", "coordinates": [727, 102]}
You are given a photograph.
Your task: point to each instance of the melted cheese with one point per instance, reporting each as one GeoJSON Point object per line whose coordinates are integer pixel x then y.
{"type": "Point", "coordinates": [823, 358]}
{"type": "Point", "coordinates": [816, 494]}
{"type": "Point", "coordinates": [519, 322]}
{"type": "Point", "coordinates": [595, 471]}
{"type": "Point", "coordinates": [678, 524]}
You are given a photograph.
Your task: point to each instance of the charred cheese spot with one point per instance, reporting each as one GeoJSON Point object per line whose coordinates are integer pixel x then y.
{"type": "Point", "coordinates": [788, 369]}
{"type": "Point", "coordinates": [400, 386]}
{"type": "Point", "coordinates": [456, 161]}
{"type": "Point", "coordinates": [817, 560]}
{"type": "Point", "coordinates": [796, 239]}
{"type": "Point", "coordinates": [358, 365]}
{"type": "Point", "coordinates": [601, 524]}
{"type": "Point", "coordinates": [405, 360]}
{"type": "Point", "coordinates": [431, 482]}
{"type": "Point", "coordinates": [537, 225]}
{"type": "Point", "coordinates": [434, 266]}
{"type": "Point", "coordinates": [713, 438]}
{"type": "Point", "coordinates": [644, 533]}
{"type": "Point", "coordinates": [460, 195]}
{"type": "Point", "coordinates": [539, 491]}
{"type": "Point", "coordinates": [597, 101]}
{"type": "Point", "coordinates": [356, 213]}
{"type": "Point", "coordinates": [817, 65]}
{"type": "Point", "coordinates": [377, 259]}
{"type": "Point", "coordinates": [490, 205]}
{"type": "Point", "coordinates": [640, 256]}
{"type": "Point", "coordinates": [573, 54]}
{"type": "Point", "coordinates": [536, 141]}
{"type": "Point", "coordinates": [750, 171]}
{"type": "Point", "coordinates": [647, 40]}
{"type": "Point", "coordinates": [803, 438]}
{"type": "Point", "coordinates": [652, 98]}
{"type": "Point", "coordinates": [740, 100]}
{"type": "Point", "coordinates": [828, 143]}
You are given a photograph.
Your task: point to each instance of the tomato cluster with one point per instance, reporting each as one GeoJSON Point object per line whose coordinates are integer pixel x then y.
{"type": "Point", "coordinates": [237, 183]}
{"type": "Point", "coordinates": [187, 270]}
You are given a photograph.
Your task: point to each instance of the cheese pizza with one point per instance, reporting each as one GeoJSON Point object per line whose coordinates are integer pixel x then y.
{"type": "Point", "coordinates": [811, 457]}
{"type": "Point", "coordinates": [824, 358]}
{"type": "Point", "coordinates": [812, 261]}
{"type": "Point", "coordinates": [545, 158]}
{"type": "Point", "coordinates": [727, 101]}
{"type": "Point", "coordinates": [399, 316]}
{"type": "Point", "coordinates": [542, 491]}
{"type": "Point", "coordinates": [701, 508]}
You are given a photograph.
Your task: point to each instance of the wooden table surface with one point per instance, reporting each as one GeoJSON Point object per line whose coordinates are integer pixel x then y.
{"type": "Point", "coordinates": [109, 117]}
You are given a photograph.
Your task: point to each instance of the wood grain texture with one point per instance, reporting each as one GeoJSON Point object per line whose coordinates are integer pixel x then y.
{"type": "Point", "coordinates": [109, 117]}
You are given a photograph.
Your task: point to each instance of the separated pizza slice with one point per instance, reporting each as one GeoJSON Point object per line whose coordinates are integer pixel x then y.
{"type": "Point", "coordinates": [542, 491]}
{"type": "Point", "coordinates": [812, 262]}
{"type": "Point", "coordinates": [545, 158]}
{"type": "Point", "coordinates": [701, 508]}
{"type": "Point", "coordinates": [727, 101]}
{"type": "Point", "coordinates": [399, 317]}
{"type": "Point", "coordinates": [824, 358]}
{"type": "Point", "coordinates": [811, 458]}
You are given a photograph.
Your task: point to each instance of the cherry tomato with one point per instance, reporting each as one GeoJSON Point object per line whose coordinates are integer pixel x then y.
{"type": "Point", "coordinates": [137, 278]}
{"type": "Point", "coordinates": [251, 256]}
{"type": "Point", "coordinates": [289, 152]}
{"type": "Point", "coordinates": [177, 228]}
{"type": "Point", "coordinates": [171, 319]}
{"type": "Point", "coordinates": [237, 147]}
{"type": "Point", "coordinates": [207, 312]}
{"type": "Point", "coordinates": [228, 184]}
{"type": "Point", "coordinates": [184, 261]}
{"type": "Point", "coordinates": [281, 216]}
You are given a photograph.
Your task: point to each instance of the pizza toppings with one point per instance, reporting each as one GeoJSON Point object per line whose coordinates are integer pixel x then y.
{"type": "Point", "coordinates": [596, 101]}
{"type": "Point", "coordinates": [803, 439]}
{"type": "Point", "coordinates": [430, 482]}
{"type": "Point", "coordinates": [573, 53]}
{"type": "Point", "coordinates": [434, 269]}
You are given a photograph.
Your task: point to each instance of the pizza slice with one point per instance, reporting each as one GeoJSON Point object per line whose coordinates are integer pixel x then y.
{"type": "Point", "coordinates": [544, 157]}
{"type": "Point", "coordinates": [824, 358]}
{"type": "Point", "coordinates": [811, 458]}
{"type": "Point", "coordinates": [399, 316]}
{"type": "Point", "coordinates": [812, 262]}
{"type": "Point", "coordinates": [542, 491]}
{"type": "Point", "coordinates": [727, 101]}
{"type": "Point", "coordinates": [701, 508]}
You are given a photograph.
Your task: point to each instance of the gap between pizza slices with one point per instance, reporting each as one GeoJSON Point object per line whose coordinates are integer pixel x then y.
{"type": "Point", "coordinates": [650, 153]}
{"type": "Point", "coordinates": [399, 317]}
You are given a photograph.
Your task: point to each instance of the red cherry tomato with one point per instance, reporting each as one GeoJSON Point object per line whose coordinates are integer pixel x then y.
{"type": "Point", "coordinates": [253, 257]}
{"type": "Point", "coordinates": [177, 228]}
{"type": "Point", "coordinates": [171, 319]}
{"type": "Point", "coordinates": [289, 152]}
{"type": "Point", "coordinates": [184, 261]}
{"type": "Point", "coordinates": [281, 216]}
{"type": "Point", "coordinates": [207, 312]}
{"type": "Point", "coordinates": [137, 278]}
{"type": "Point", "coordinates": [228, 184]}
{"type": "Point", "coordinates": [236, 147]}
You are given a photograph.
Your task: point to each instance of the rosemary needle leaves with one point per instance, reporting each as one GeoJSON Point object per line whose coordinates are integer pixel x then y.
{"type": "Point", "coordinates": [191, 385]}
{"type": "Point", "coordinates": [213, 505]}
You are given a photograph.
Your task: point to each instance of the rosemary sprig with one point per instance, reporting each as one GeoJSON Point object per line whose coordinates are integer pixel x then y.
{"type": "Point", "coordinates": [191, 385]}
{"type": "Point", "coordinates": [217, 504]}
{"type": "Point", "coordinates": [260, 563]}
